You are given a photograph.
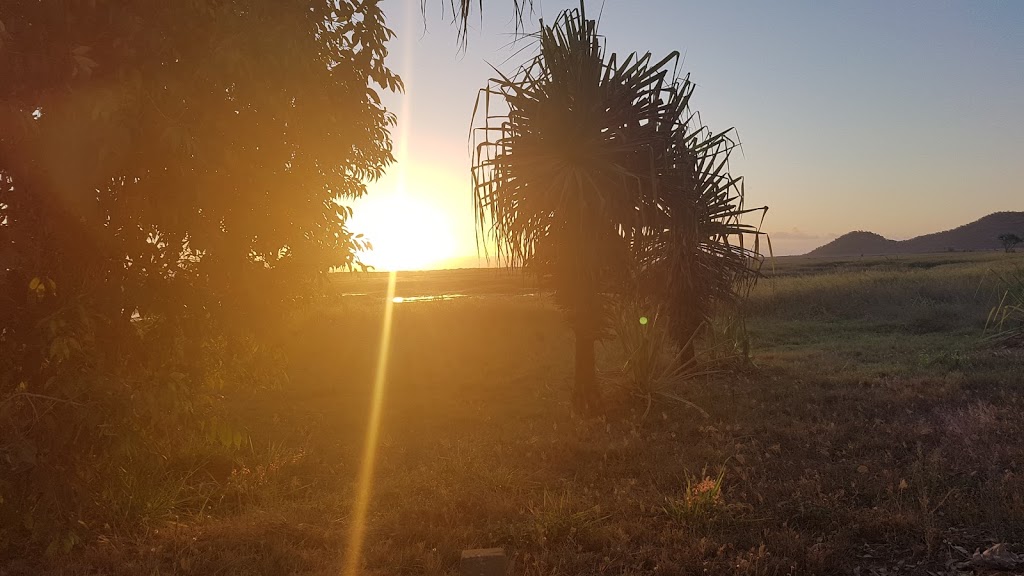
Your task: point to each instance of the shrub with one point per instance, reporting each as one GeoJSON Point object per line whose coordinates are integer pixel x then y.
{"type": "Point", "coordinates": [654, 364]}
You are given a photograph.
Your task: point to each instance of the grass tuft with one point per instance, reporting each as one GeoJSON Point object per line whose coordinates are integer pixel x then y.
{"type": "Point", "coordinates": [1005, 324]}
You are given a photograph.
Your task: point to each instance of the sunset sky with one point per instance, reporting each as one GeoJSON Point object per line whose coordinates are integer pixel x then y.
{"type": "Point", "coordinates": [899, 118]}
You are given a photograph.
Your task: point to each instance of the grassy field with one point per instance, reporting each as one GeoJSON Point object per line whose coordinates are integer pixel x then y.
{"type": "Point", "coordinates": [873, 435]}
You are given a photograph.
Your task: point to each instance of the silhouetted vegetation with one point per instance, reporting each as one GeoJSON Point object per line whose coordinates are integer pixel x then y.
{"type": "Point", "coordinates": [170, 186]}
{"type": "Point", "coordinates": [462, 11]}
{"type": "Point", "coordinates": [595, 177]}
{"type": "Point", "coordinates": [1010, 241]}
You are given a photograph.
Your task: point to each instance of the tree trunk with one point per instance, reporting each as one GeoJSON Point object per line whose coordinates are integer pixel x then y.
{"type": "Point", "coordinates": [586, 397]}
{"type": "Point", "coordinates": [583, 264]}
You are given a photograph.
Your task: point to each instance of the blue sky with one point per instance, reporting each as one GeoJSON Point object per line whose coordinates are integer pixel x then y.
{"type": "Point", "coordinates": [901, 118]}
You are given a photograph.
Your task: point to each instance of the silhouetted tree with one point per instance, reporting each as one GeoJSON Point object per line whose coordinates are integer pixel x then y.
{"type": "Point", "coordinates": [180, 162]}
{"type": "Point", "coordinates": [593, 178]}
{"type": "Point", "coordinates": [1010, 241]}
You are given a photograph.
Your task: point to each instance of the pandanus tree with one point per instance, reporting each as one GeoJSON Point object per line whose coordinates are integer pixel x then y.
{"type": "Point", "coordinates": [591, 172]}
{"type": "Point", "coordinates": [561, 172]}
{"type": "Point", "coordinates": [700, 259]}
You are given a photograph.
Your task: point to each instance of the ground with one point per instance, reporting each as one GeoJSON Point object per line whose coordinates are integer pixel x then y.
{"type": "Point", "coordinates": [874, 433]}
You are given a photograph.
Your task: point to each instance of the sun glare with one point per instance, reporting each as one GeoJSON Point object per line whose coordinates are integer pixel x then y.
{"type": "Point", "coordinates": [364, 484]}
{"type": "Point", "coordinates": [407, 233]}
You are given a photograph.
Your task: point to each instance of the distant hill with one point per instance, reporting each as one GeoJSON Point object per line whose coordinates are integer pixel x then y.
{"type": "Point", "coordinates": [981, 234]}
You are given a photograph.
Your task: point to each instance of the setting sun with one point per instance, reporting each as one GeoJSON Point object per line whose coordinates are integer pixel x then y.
{"type": "Point", "coordinates": [407, 232]}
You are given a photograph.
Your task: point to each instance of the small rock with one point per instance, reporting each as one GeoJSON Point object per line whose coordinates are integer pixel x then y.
{"type": "Point", "coordinates": [483, 562]}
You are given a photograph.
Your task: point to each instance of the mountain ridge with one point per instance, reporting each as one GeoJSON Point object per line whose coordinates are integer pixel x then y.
{"type": "Point", "coordinates": [982, 234]}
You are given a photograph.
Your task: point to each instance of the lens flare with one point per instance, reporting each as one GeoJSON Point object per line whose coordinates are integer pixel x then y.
{"type": "Point", "coordinates": [364, 485]}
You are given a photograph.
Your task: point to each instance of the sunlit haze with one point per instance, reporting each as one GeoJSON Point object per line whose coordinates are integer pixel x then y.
{"type": "Point", "coordinates": [899, 119]}
{"type": "Point", "coordinates": [184, 389]}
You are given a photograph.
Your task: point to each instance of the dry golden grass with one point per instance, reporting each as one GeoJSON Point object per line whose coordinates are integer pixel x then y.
{"type": "Point", "coordinates": [874, 432]}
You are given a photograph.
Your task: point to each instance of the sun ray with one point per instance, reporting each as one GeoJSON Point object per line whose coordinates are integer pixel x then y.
{"type": "Point", "coordinates": [364, 484]}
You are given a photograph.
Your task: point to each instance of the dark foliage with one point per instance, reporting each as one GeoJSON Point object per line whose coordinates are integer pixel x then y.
{"type": "Point", "coordinates": [170, 182]}
{"type": "Point", "coordinates": [1009, 241]}
{"type": "Point", "coordinates": [591, 172]}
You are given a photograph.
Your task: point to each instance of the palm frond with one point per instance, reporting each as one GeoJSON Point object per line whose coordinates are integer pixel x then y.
{"type": "Point", "coordinates": [572, 150]}
{"type": "Point", "coordinates": [593, 173]}
{"type": "Point", "coordinates": [462, 11]}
